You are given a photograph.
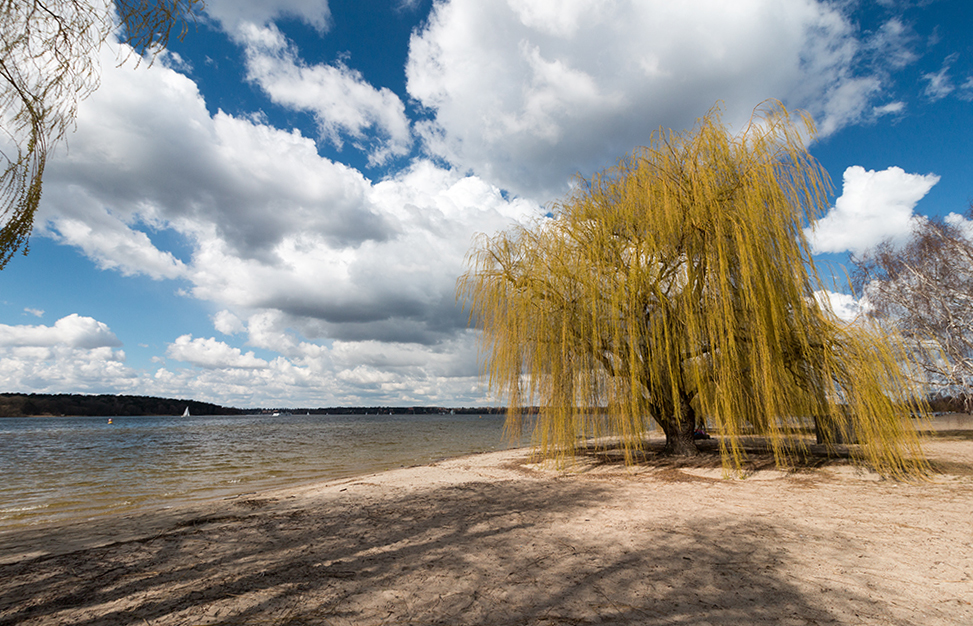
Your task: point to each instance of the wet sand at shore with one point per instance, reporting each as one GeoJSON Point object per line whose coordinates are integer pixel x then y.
{"type": "Point", "coordinates": [495, 539]}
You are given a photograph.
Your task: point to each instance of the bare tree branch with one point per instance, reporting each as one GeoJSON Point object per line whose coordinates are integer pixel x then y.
{"type": "Point", "coordinates": [48, 64]}
{"type": "Point", "coordinates": [925, 290]}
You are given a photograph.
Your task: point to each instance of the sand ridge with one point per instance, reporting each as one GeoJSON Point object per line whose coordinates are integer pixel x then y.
{"type": "Point", "coordinates": [497, 539]}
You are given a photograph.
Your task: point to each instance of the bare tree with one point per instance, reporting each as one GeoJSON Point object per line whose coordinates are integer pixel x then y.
{"type": "Point", "coordinates": [925, 290]}
{"type": "Point", "coordinates": [48, 63]}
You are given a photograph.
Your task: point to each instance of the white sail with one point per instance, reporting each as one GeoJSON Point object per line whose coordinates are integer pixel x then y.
{"type": "Point", "coordinates": [186, 412]}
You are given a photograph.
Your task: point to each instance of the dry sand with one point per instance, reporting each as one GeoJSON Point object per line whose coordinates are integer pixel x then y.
{"type": "Point", "coordinates": [492, 539]}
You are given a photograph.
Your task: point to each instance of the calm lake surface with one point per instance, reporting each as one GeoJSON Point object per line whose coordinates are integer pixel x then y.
{"type": "Point", "coordinates": [55, 468]}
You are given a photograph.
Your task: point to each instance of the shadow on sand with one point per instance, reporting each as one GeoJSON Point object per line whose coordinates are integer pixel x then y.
{"type": "Point", "coordinates": [475, 553]}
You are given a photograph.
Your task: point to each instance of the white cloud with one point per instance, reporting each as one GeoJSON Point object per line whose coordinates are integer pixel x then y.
{"type": "Point", "coordinates": [73, 331]}
{"type": "Point", "coordinates": [228, 323]}
{"type": "Point", "coordinates": [272, 330]}
{"type": "Point", "coordinates": [892, 108]}
{"type": "Point", "coordinates": [528, 94]}
{"type": "Point", "coordinates": [873, 207]}
{"type": "Point", "coordinates": [940, 84]}
{"type": "Point", "coordinates": [416, 373]}
{"type": "Point", "coordinates": [960, 222]}
{"type": "Point", "coordinates": [272, 225]}
{"type": "Point", "coordinates": [966, 89]}
{"type": "Point", "coordinates": [345, 286]}
{"type": "Point", "coordinates": [147, 153]}
{"type": "Point", "coordinates": [77, 354]}
{"type": "Point", "coordinates": [844, 306]}
{"type": "Point", "coordinates": [212, 354]}
{"type": "Point", "coordinates": [339, 97]}
{"type": "Point", "coordinates": [63, 369]}
{"type": "Point", "coordinates": [34, 312]}
{"type": "Point", "coordinates": [295, 252]}
{"type": "Point", "coordinates": [561, 18]}
{"type": "Point", "coordinates": [112, 244]}
{"type": "Point", "coordinates": [398, 289]}
{"type": "Point", "coordinates": [892, 43]}
{"type": "Point", "coordinates": [233, 13]}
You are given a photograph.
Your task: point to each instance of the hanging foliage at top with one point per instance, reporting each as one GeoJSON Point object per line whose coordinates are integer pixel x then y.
{"type": "Point", "coordinates": [677, 286]}
{"type": "Point", "coordinates": [49, 63]}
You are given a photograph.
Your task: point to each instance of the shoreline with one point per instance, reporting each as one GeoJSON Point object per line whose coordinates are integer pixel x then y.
{"type": "Point", "coordinates": [118, 525]}
{"type": "Point", "coordinates": [491, 539]}
{"type": "Point", "coordinates": [93, 468]}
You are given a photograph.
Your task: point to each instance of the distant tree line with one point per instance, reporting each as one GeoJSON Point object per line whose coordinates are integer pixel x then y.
{"type": "Point", "coordinates": [385, 410]}
{"type": "Point", "coordinates": [28, 405]}
{"type": "Point", "coordinates": [37, 404]}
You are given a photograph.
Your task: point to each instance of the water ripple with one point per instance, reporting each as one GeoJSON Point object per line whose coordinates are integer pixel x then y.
{"type": "Point", "coordinates": [83, 466]}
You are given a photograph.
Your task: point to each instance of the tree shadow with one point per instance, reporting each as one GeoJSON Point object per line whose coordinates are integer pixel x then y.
{"type": "Point", "coordinates": [758, 455]}
{"type": "Point", "coordinates": [475, 553]}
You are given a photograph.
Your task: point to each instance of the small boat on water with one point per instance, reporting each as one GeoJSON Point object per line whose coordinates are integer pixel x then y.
{"type": "Point", "coordinates": [186, 412]}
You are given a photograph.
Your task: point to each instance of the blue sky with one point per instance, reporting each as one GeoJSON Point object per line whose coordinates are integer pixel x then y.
{"type": "Point", "coordinates": [275, 211]}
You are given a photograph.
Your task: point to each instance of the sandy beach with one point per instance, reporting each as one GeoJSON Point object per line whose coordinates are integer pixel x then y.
{"type": "Point", "coordinates": [495, 539]}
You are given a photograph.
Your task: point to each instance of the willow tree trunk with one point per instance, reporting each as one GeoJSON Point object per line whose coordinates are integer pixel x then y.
{"type": "Point", "coordinates": [679, 426]}
{"type": "Point", "coordinates": [832, 434]}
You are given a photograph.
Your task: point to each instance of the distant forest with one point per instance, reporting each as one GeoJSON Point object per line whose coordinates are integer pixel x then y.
{"type": "Point", "coordinates": [36, 404]}
{"type": "Point", "coordinates": [394, 410]}
{"type": "Point", "coordinates": [65, 404]}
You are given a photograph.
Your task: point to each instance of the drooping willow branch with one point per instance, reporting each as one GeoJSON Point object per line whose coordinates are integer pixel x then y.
{"type": "Point", "coordinates": [48, 64]}
{"type": "Point", "coordinates": [679, 284]}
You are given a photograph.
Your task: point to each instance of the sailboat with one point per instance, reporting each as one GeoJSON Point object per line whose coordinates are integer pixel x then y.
{"type": "Point", "coordinates": [186, 412]}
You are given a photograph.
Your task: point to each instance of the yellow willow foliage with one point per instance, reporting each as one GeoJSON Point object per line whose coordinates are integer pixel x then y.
{"type": "Point", "coordinates": [678, 284]}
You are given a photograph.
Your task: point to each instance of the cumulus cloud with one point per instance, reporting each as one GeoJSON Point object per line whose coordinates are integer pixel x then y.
{"type": "Point", "coordinates": [76, 354]}
{"type": "Point", "coordinates": [399, 289]}
{"type": "Point", "coordinates": [873, 207]}
{"type": "Point", "coordinates": [147, 152]}
{"type": "Point", "coordinates": [271, 224]}
{"type": "Point", "coordinates": [842, 305]}
{"type": "Point", "coordinates": [569, 87]}
{"type": "Point", "coordinates": [73, 331]}
{"type": "Point", "coordinates": [340, 99]}
{"type": "Point", "coordinates": [416, 373]}
{"type": "Point", "coordinates": [294, 251]}
{"type": "Point", "coordinates": [228, 323]}
{"type": "Point", "coordinates": [561, 18]}
{"type": "Point", "coordinates": [63, 369]}
{"type": "Point", "coordinates": [112, 244]}
{"type": "Point", "coordinates": [960, 222]}
{"type": "Point", "coordinates": [272, 330]}
{"type": "Point", "coordinates": [343, 285]}
{"type": "Point", "coordinates": [212, 354]}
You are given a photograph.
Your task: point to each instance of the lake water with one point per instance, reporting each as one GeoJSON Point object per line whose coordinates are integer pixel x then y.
{"type": "Point", "coordinates": [55, 468]}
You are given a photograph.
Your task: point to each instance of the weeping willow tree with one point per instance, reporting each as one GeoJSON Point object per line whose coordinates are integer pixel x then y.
{"type": "Point", "coordinates": [48, 63]}
{"type": "Point", "coordinates": [677, 286]}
